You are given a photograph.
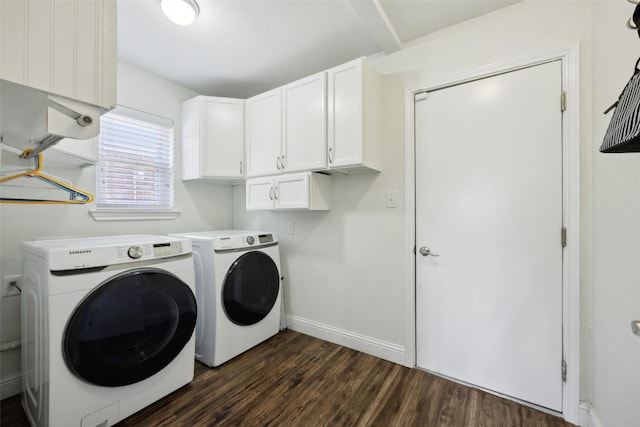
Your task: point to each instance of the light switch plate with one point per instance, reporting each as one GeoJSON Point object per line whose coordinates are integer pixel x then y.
{"type": "Point", "coordinates": [392, 198]}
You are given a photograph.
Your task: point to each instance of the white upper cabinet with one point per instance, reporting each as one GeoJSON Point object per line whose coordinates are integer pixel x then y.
{"type": "Point", "coordinates": [264, 133]}
{"type": "Point", "coordinates": [286, 128]}
{"type": "Point", "coordinates": [63, 47]}
{"type": "Point", "coordinates": [295, 191]}
{"type": "Point", "coordinates": [213, 138]}
{"type": "Point", "coordinates": [304, 124]}
{"type": "Point", "coordinates": [354, 131]}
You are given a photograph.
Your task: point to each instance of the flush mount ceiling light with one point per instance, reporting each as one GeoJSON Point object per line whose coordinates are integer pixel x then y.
{"type": "Point", "coordinates": [181, 12]}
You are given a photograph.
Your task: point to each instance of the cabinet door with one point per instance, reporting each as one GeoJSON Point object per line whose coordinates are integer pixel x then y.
{"type": "Point", "coordinates": [63, 47]}
{"type": "Point", "coordinates": [260, 193]}
{"type": "Point", "coordinates": [38, 47]}
{"type": "Point", "coordinates": [87, 71]}
{"type": "Point", "coordinates": [304, 124]}
{"type": "Point", "coordinates": [264, 133]}
{"type": "Point", "coordinates": [292, 191]}
{"type": "Point", "coordinates": [223, 131]}
{"type": "Point", "coordinates": [345, 130]}
{"type": "Point", "coordinates": [13, 41]}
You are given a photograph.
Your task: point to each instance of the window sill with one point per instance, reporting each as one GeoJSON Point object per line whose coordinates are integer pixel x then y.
{"type": "Point", "coordinates": [132, 215]}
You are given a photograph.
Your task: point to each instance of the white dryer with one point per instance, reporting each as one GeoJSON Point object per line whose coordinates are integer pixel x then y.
{"type": "Point", "coordinates": [107, 327]}
{"type": "Point", "coordinates": [238, 289]}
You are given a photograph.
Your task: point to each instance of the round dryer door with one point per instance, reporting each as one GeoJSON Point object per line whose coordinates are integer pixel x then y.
{"type": "Point", "coordinates": [130, 327]}
{"type": "Point", "coordinates": [250, 288]}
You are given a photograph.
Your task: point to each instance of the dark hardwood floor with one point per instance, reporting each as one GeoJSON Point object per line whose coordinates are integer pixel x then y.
{"type": "Point", "coordinates": [296, 380]}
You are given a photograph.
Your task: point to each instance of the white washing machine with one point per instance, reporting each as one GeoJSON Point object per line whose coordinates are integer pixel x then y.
{"type": "Point", "coordinates": [238, 289]}
{"type": "Point", "coordinates": [107, 327]}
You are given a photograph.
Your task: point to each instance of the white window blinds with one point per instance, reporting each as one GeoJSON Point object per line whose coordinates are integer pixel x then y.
{"type": "Point", "coordinates": [135, 161]}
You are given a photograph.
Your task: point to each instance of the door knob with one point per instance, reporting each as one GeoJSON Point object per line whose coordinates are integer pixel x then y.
{"type": "Point", "coordinates": [426, 252]}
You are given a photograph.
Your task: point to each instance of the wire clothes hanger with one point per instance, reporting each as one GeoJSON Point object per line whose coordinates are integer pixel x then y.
{"type": "Point", "coordinates": [76, 195]}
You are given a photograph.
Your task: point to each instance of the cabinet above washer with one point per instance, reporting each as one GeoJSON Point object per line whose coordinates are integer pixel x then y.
{"type": "Point", "coordinates": [296, 191]}
{"type": "Point", "coordinates": [354, 128]}
{"type": "Point", "coordinates": [286, 128]}
{"type": "Point", "coordinates": [213, 139]}
{"type": "Point", "coordinates": [331, 121]}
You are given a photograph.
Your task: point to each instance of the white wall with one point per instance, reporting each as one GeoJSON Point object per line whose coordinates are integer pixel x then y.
{"type": "Point", "coordinates": [616, 229]}
{"type": "Point", "coordinates": [201, 206]}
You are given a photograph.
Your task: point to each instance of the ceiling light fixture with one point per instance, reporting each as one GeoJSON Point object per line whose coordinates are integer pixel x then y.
{"type": "Point", "coordinates": [181, 12]}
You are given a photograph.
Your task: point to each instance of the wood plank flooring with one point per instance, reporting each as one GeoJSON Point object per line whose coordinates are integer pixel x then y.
{"type": "Point", "coordinates": [297, 380]}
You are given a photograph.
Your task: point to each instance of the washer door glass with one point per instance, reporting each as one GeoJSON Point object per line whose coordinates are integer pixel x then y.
{"type": "Point", "coordinates": [250, 288]}
{"type": "Point", "coordinates": [130, 327]}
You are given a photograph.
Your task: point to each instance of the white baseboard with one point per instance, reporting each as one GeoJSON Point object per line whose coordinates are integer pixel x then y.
{"type": "Point", "coordinates": [382, 349]}
{"type": "Point", "coordinates": [588, 416]}
{"type": "Point", "coordinates": [10, 386]}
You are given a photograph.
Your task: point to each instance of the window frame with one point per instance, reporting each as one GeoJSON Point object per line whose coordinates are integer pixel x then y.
{"type": "Point", "coordinates": [143, 211]}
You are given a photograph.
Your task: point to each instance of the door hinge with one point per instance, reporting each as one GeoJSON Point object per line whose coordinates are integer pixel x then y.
{"type": "Point", "coordinates": [563, 236]}
{"type": "Point", "coordinates": [564, 371]}
{"type": "Point", "coordinates": [563, 101]}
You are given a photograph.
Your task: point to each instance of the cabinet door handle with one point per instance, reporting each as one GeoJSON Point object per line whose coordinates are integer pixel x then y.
{"type": "Point", "coordinates": [283, 163]}
{"type": "Point", "coordinates": [330, 155]}
{"type": "Point", "coordinates": [278, 163]}
{"type": "Point", "coordinates": [240, 167]}
{"type": "Point", "coordinates": [271, 193]}
{"type": "Point", "coordinates": [275, 192]}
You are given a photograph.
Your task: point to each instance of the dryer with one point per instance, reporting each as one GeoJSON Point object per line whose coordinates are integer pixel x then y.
{"type": "Point", "coordinates": [238, 290]}
{"type": "Point", "coordinates": [107, 326]}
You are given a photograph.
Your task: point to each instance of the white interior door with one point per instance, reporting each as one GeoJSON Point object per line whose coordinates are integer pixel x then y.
{"type": "Point", "coordinates": [489, 205]}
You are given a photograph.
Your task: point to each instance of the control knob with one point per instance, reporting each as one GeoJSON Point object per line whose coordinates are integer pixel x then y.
{"type": "Point", "coordinates": [250, 240]}
{"type": "Point", "coordinates": [134, 252]}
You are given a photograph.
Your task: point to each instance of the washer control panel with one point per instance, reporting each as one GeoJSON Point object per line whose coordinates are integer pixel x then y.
{"type": "Point", "coordinates": [167, 249]}
{"type": "Point", "coordinates": [69, 254]}
{"type": "Point", "coordinates": [134, 252]}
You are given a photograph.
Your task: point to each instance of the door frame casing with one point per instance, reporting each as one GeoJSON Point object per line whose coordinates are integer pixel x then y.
{"type": "Point", "coordinates": [570, 60]}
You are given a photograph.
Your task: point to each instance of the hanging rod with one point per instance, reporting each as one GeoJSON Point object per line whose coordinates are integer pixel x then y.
{"type": "Point", "coordinates": [49, 141]}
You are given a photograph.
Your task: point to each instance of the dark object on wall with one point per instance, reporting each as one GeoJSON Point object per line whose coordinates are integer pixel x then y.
{"type": "Point", "coordinates": [634, 21]}
{"type": "Point", "coordinates": [623, 133]}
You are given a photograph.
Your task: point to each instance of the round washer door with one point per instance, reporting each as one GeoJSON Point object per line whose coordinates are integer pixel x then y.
{"type": "Point", "coordinates": [130, 327]}
{"type": "Point", "coordinates": [250, 288]}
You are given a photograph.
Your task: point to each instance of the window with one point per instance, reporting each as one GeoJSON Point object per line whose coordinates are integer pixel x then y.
{"type": "Point", "coordinates": [135, 162]}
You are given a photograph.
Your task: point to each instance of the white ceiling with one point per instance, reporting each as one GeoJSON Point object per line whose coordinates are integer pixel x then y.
{"type": "Point", "coordinates": [239, 48]}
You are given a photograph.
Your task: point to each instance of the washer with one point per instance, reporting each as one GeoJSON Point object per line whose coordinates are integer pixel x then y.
{"type": "Point", "coordinates": [107, 326]}
{"type": "Point", "coordinates": [238, 289]}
